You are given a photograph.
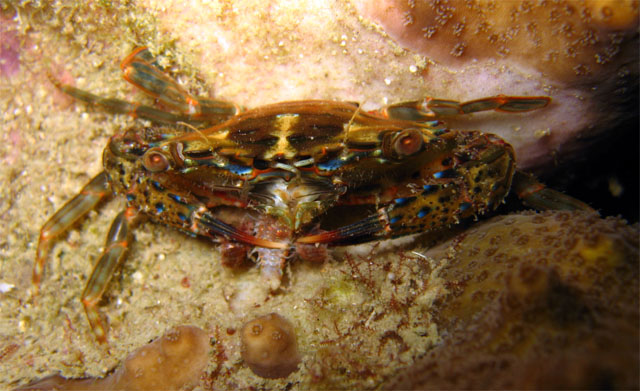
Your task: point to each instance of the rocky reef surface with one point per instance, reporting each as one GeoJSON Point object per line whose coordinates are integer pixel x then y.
{"type": "Point", "coordinates": [172, 362]}
{"type": "Point", "coordinates": [535, 301]}
{"type": "Point", "coordinates": [528, 300]}
{"type": "Point", "coordinates": [551, 297]}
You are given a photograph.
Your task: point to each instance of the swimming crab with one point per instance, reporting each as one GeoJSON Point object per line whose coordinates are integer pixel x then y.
{"type": "Point", "coordinates": [270, 182]}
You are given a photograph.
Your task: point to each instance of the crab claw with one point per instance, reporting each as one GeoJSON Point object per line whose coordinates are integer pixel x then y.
{"type": "Point", "coordinates": [214, 226]}
{"type": "Point", "coordinates": [358, 232]}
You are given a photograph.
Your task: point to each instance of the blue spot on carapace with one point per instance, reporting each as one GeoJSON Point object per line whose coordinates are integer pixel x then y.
{"type": "Point", "coordinates": [464, 206]}
{"type": "Point", "coordinates": [157, 185]}
{"type": "Point", "coordinates": [428, 189]}
{"type": "Point", "coordinates": [130, 197]}
{"type": "Point", "coordinates": [159, 207]}
{"type": "Point", "coordinates": [182, 217]}
{"type": "Point", "coordinates": [404, 200]}
{"type": "Point", "coordinates": [238, 169]}
{"type": "Point", "coordinates": [424, 211]}
{"type": "Point", "coordinates": [440, 132]}
{"type": "Point", "coordinates": [395, 219]}
{"type": "Point", "coordinates": [450, 173]}
{"type": "Point", "coordinates": [177, 198]}
{"type": "Point", "coordinates": [331, 165]}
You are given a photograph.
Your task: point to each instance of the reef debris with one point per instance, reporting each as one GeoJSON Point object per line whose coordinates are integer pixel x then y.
{"type": "Point", "coordinates": [172, 362]}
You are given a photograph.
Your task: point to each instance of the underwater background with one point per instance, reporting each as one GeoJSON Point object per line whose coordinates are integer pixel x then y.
{"type": "Point", "coordinates": [517, 300]}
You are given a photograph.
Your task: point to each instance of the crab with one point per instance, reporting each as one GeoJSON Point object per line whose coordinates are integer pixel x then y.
{"type": "Point", "coordinates": [289, 179]}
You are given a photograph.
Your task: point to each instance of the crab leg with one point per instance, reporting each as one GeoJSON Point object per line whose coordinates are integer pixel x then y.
{"type": "Point", "coordinates": [115, 249]}
{"type": "Point", "coordinates": [428, 109]}
{"type": "Point", "coordinates": [118, 106]}
{"type": "Point", "coordinates": [141, 70]}
{"type": "Point", "coordinates": [95, 191]}
{"type": "Point", "coordinates": [214, 227]}
{"type": "Point", "coordinates": [537, 195]}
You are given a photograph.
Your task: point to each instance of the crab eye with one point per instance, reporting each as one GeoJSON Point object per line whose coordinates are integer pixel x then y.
{"type": "Point", "coordinates": [155, 161]}
{"type": "Point", "coordinates": [407, 142]}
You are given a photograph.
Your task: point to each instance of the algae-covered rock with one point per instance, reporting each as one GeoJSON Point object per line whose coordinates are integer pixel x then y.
{"type": "Point", "coordinates": [535, 301]}
{"type": "Point", "coordinates": [172, 362]}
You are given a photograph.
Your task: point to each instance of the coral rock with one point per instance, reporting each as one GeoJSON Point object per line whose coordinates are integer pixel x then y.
{"type": "Point", "coordinates": [269, 346]}
{"type": "Point", "coordinates": [172, 362]}
{"type": "Point", "coordinates": [535, 301]}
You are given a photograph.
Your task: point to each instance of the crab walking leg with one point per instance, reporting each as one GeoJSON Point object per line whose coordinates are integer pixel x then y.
{"type": "Point", "coordinates": [428, 109]}
{"type": "Point", "coordinates": [538, 196]}
{"type": "Point", "coordinates": [118, 106]}
{"type": "Point", "coordinates": [141, 70]}
{"type": "Point", "coordinates": [115, 250]}
{"type": "Point", "coordinates": [90, 195]}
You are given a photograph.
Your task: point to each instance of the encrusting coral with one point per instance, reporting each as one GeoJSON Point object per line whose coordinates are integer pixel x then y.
{"type": "Point", "coordinates": [172, 362]}
{"type": "Point", "coordinates": [579, 52]}
{"type": "Point", "coordinates": [269, 346]}
{"type": "Point", "coordinates": [535, 301]}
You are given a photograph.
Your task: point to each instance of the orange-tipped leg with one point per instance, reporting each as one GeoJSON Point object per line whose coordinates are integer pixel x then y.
{"type": "Point", "coordinates": [64, 218]}
{"type": "Point", "coordinates": [141, 70]}
{"type": "Point", "coordinates": [116, 248]}
{"type": "Point", "coordinates": [177, 105]}
{"type": "Point", "coordinates": [538, 196]}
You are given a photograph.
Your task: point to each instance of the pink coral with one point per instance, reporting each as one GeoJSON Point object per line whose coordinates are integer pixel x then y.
{"type": "Point", "coordinates": [9, 48]}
